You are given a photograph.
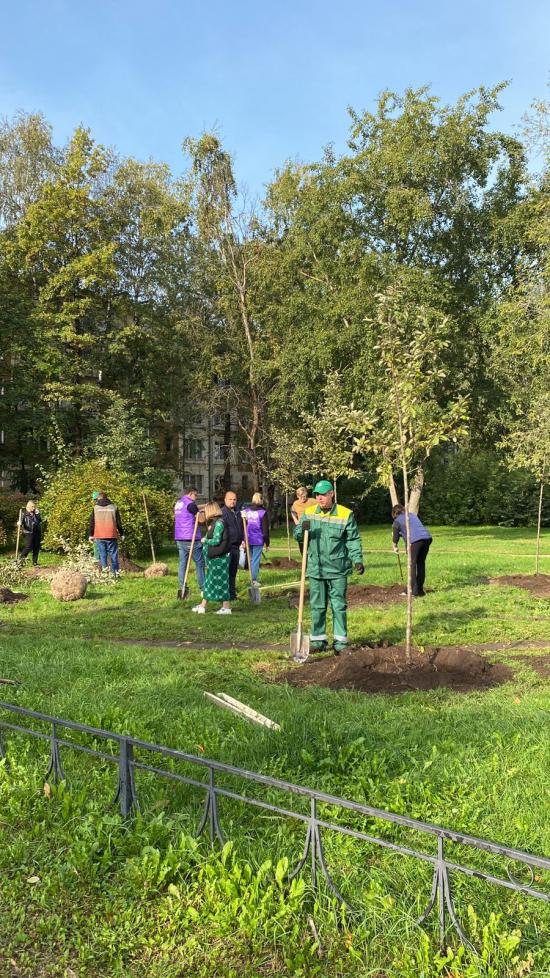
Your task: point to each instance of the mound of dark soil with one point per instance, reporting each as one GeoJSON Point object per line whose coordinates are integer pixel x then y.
{"type": "Point", "coordinates": [11, 597]}
{"type": "Point", "coordinates": [360, 594]}
{"type": "Point", "coordinates": [128, 565]}
{"type": "Point", "coordinates": [283, 563]}
{"type": "Point", "coordinates": [386, 670]}
{"type": "Point", "coordinates": [537, 584]}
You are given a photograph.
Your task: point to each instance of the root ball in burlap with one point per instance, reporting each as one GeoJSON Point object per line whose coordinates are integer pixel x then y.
{"type": "Point", "coordinates": [156, 570]}
{"type": "Point", "coordinates": [69, 585]}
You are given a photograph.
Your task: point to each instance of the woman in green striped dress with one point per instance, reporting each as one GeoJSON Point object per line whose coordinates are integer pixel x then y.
{"type": "Point", "coordinates": [216, 559]}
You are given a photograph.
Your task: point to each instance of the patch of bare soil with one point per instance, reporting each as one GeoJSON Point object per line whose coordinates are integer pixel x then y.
{"type": "Point", "coordinates": [386, 670]}
{"type": "Point", "coordinates": [283, 563]}
{"type": "Point", "coordinates": [537, 584]}
{"type": "Point", "coordinates": [11, 597]}
{"type": "Point", "coordinates": [45, 572]}
{"type": "Point", "coordinates": [539, 663]}
{"type": "Point", "coordinates": [128, 565]}
{"type": "Point", "coordinates": [360, 594]}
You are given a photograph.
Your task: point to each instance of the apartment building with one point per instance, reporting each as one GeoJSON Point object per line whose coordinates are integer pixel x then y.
{"type": "Point", "coordinates": [206, 454]}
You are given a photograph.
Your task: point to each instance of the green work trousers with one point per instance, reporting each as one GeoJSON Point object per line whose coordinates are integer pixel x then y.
{"type": "Point", "coordinates": [321, 591]}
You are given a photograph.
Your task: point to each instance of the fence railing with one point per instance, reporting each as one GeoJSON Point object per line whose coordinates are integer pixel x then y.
{"type": "Point", "coordinates": [315, 825]}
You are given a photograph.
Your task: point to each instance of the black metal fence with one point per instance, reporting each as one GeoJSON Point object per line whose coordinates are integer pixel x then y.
{"type": "Point", "coordinates": [315, 825]}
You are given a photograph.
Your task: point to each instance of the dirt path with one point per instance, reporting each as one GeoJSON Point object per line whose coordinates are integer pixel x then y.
{"type": "Point", "coordinates": [162, 643]}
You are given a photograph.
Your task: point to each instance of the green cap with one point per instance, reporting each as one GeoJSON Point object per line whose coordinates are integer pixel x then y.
{"type": "Point", "coordinates": [95, 496]}
{"type": "Point", "coordinates": [323, 486]}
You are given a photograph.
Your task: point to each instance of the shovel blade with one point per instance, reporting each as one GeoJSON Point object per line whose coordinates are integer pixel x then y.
{"type": "Point", "coordinates": [299, 647]}
{"type": "Point", "coordinates": [254, 594]}
{"type": "Point", "coordinates": [183, 593]}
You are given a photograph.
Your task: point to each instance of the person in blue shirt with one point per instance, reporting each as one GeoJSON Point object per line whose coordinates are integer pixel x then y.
{"type": "Point", "coordinates": [421, 539]}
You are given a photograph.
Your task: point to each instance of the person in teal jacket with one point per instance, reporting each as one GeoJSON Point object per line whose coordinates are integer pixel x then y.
{"type": "Point", "coordinates": [334, 550]}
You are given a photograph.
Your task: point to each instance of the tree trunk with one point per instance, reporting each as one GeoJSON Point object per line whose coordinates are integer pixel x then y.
{"type": "Point", "coordinates": [227, 453]}
{"type": "Point", "coordinates": [408, 636]}
{"type": "Point", "coordinates": [335, 490]}
{"type": "Point", "coordinates": [539, 521]}
{"type": "Point", "coordinates": [287, 525]}
{"type": "Point", "coordinates": [393, 491]}
{"type": "Point", "coordinates": [416, 491]}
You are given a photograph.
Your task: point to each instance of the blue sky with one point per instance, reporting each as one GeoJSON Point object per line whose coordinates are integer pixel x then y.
{"type": "Point", "coordinates": [274, 78]}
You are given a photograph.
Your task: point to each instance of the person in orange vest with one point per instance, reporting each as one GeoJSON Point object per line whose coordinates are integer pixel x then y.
{"type": "Point", "coordinates": [105, 529]}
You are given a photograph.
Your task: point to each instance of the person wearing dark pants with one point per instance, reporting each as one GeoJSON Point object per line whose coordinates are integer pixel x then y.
{"type": "Point", "coordinates": [31, 525]}
{"type": "Point", "coordinates": [105, 529]}
{"type": "Point", "coordinates": [421, 539]}
{"type": "Point", "coordinates": [235, 534]}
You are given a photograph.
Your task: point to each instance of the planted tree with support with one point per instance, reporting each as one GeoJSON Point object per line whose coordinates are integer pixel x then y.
{"type": "Point", "coordinates": [521, 359]}
{"type": "Point", "coordinates": [528, 448]}
{"type": "Point", "coordinates": [407, 418]}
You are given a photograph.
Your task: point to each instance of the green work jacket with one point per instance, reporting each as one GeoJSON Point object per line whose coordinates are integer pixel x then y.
{"type": "Point", "coordinates": [334, 542]}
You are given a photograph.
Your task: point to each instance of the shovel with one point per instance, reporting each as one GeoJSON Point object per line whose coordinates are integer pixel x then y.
{"type": "Point", "coordinates": [400, 567]}
{"type": "Point", "coordinates": [299, 643]}
{"type": "Point", "coordinates": [149, 528]}
{"type": "Point", "coordinates": [18, 533]}
{"type": "Point", "coordinates": [183, 593]}
{"type": "Point", "coordinates": [254, 592]}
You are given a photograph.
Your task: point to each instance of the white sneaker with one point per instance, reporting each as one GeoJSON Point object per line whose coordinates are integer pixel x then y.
{"type": "Point", "coordinates": [224, 611]}
{"type": "Point", "coordinates": [199, 608]}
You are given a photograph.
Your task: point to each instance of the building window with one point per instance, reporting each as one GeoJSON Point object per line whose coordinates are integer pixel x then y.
{"type": "Point", "coordinates": [219, 452]}
{"type": "Point", "coordinates": [245, 483]}
{"type": "Point", "coordinates": [194, 448]}
{"type": "Point", "coordinates": [196, 481]}
{"type": "Point", "coordinates": [168, 443]}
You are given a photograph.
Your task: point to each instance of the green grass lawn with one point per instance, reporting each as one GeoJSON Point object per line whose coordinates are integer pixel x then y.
{"type": "Point", "coordinates": [84, 894]}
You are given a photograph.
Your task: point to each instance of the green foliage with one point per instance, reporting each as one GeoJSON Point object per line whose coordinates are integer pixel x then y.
{"type": "Point", "coordinates": [123, 443]}
{"type": "Point", "coordinates": [12, 574]}
{"type": "Point", "coordinates": [10, 504]}
{"type": "Point", "coordinates": [67, 504]}
{"type": "Point", "coordinates": [478, 487]}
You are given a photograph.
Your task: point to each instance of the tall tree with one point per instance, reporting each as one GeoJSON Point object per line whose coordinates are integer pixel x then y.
{"type": "Point", "coordinates": [228, 251]}
{"type": "Point", "coordinates": [422, 196]}
{"type": "Point", "coordinates": [408, 419]}
{"type": "Point", "coordinates": [64, 258]}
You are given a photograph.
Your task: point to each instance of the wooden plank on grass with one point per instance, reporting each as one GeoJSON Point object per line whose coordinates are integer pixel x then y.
{"type": "Point", "coordinates": [242, 710]}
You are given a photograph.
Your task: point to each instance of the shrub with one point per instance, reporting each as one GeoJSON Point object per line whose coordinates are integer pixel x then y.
{"type": "Point", "coordinates": [66, 506]}
{"type": "Point", "coordinates": [476, 487]}
{"type": "Point", "coordinates": [10, 504]}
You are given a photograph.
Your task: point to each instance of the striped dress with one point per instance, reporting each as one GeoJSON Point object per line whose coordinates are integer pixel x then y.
{"type": "Point", "coordinates": [216, 585]}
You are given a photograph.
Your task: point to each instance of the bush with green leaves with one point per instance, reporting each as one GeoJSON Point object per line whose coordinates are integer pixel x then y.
{"type": "Point", "coordinates": [10, 504]}
{"type": "Point", "coordinates": [66, 506]}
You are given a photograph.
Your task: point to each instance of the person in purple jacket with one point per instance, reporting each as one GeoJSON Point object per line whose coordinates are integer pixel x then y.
{"type": "Point", "coordinates": [257, 525]}
{"type": "Point", "coordinates": [185, 514]}
{"type": "Point", "coordinates": [421, 539]}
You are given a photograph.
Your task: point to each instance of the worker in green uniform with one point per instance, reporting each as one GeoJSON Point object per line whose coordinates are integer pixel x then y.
{"type": "Point", "coordinates": [334, 549]}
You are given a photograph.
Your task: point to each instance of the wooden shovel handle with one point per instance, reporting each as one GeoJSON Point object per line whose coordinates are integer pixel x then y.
{"type": "Point", "coordinates": [247, 545]}
{"type": "Point", "coordinates": [149, 528]}
{"type": "Point", "coordinates": [303, 583]}
{"type": "Point", "coordinates": [190, 554]}
{"type": "Point", "coordinates": [18, 533]}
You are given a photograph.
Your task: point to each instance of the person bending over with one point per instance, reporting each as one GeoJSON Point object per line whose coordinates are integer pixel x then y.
{"type": "Point", "coordinates": [421, 539]}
